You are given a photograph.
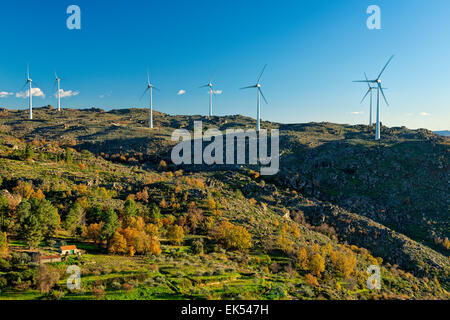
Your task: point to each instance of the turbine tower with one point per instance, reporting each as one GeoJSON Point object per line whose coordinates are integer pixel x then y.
{"type": "Point", "coordinates": [150, 88]}
{"type": "Point", "coordinates": [57, 81]}
{"type": "Point", "coordinates": [259, 94]}
{"type": "Point", "coordinates": [211, 93]}
{"type": "Point", "coordinates": [29, 81]}
{"type": "Point", "coordinates": [377, 81]}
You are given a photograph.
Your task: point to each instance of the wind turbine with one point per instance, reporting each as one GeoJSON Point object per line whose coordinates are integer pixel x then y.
{"type": "Point", "coordinates": [258, 99]}
{"type": "Point", "coordinates": [211, 92]}
{"type": "Point", "coordinates": [150, 87]}
{"type": "Point", "coordinates": [377, 81]}
{"type": "Point", "coordinates": [367, 93]}
{"type": "Point", "coordinates": [57, 81]}
{"type": "Point", "coordinates": [29, 81]}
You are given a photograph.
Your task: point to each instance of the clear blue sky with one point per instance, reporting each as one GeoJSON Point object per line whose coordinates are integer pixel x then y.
{"type": "Point", "coordinates": [314, 49]}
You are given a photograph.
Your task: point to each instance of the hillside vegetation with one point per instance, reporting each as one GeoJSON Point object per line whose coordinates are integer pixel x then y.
{"type": "Point", "coordinates": [152, 230]}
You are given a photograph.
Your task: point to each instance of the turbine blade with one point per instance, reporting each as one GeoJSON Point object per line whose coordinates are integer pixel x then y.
{"type": "Point", "coordinates": [262, 72]}
{"type": "Point", "coordinates": [365, 81]}
{"type": "Point", "coordinates": [248, 87]}
{"type": "Point", "coordinates": [157, 89]}
{"type": "Point", "coordinates": [365, 75]}
{"type": "Point", "coordinates": [24, 85]}
{"type": "Point", "coordinates": [382, 92]}
{"type": "Point", "coordinates": [385, 67]}
{"type": "Point", "coordinates": [28, 71]}
{"type": "Point", "coordinates": [148, 77]}
{"type": "Point", "coordinates": [206, 85]}
{"type": "Point", "coordinates": [143, 94]}
{"type": "Point", "coordinates": [367, 93]}
{"type": "Point", "coordinates": [262, 95]}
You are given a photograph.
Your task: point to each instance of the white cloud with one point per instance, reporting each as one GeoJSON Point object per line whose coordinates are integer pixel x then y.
{"type": "Point", "coordinates": [424, 114]}
{"type": "Point", "coordinates": [67, 94]}
{"type": "Point", "coordinates": [181, 92]}
{"type": "Point", "coordinates": [107, 94]}
{"type": "Point", "coordinates": [217, 91]}
{"type": "Point", "coordinates": [35, 92]}
{"type": "Point", "coordinates": [4, 94]}
{"type": "Point", "coordinates": [357, 112]}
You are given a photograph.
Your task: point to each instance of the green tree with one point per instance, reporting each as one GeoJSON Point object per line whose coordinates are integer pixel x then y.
{"type": "Point", "coordinates": [94, 214]}
{"type": "Point", "coordinates": [74, 218]}
{"type": "Point", "coordinates": [29, 153]}
{"type": "Point", "coordinates": [30, 228]}
{"type": "Point", "coordinates": [4, 213]}
{"type": "Point", "coordinates": [37, 219]}
{"type": "Point", "coordinates": [130, 209]}
{"type": "Point", "coordinates": [155, 213]}
{"type": "Point", "coordinates": [69, 156]}
{"type": "Point", "coordinates": [48, 216]}
{"type": "Point", "coordinates": [111, 223]}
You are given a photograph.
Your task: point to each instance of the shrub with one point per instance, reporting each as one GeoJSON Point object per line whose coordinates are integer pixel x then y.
{"type": "Point", "coordinates": [98, 291]}
{"type": "Point", "coordinates": [127, 287]}
{"type": "Point", "coordinates": [48, 277]}
{"type": "Point", "coordinates": [311, 280]}
{"type": "Point", "coordinates": [5, 265]}
{"type": "Point", "coordinates": [185, 284]}
{"type": "Point", "coordinates": [197, 246]}
{"type": "Point", "coordinates": [3, 282]}
{"type": "Point", "coordinates": [116, 285]}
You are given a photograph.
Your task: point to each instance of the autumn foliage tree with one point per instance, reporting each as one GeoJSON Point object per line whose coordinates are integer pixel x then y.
{"type": "Point", "coordinates": [93, 232]}
{"type": "Point", "coordinates": [231, 236]}
{"type": "Point", "coordinates": [175, 234]}
{"type": "Point", "coordinates": [3, 245]}
{"type": "Point", "coordinates": [136, 238]}
{"type": "Point", "coordinates": [302, 258]}
{"type": "Point", "coordinates": [343, 261]}
{"type": "Point", "coordinates": [317, 264]}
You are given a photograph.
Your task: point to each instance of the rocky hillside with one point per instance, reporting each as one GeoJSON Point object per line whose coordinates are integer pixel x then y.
{"type": "Point", "coordinates": [389, 197]}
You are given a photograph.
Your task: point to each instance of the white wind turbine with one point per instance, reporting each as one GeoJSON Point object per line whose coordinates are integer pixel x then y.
{"type": "Point", "coordinates": [29, 81]}
{"type": "Point", "coordinates": [377, 81]}
{"type": "Point", "coordinates": [258, 101]}
{"type": "Point", "coordinates": [371, 94]}
{"type": "Point", "coordinates": [211, 93]}
{"type": "Point", "coordinates": [150, 88]}
{"type": "Point", "coordinates": [57, 82]}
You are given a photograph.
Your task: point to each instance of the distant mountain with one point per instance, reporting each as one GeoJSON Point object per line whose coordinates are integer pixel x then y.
{"type": "Point", "coordinates": [445, 133]}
